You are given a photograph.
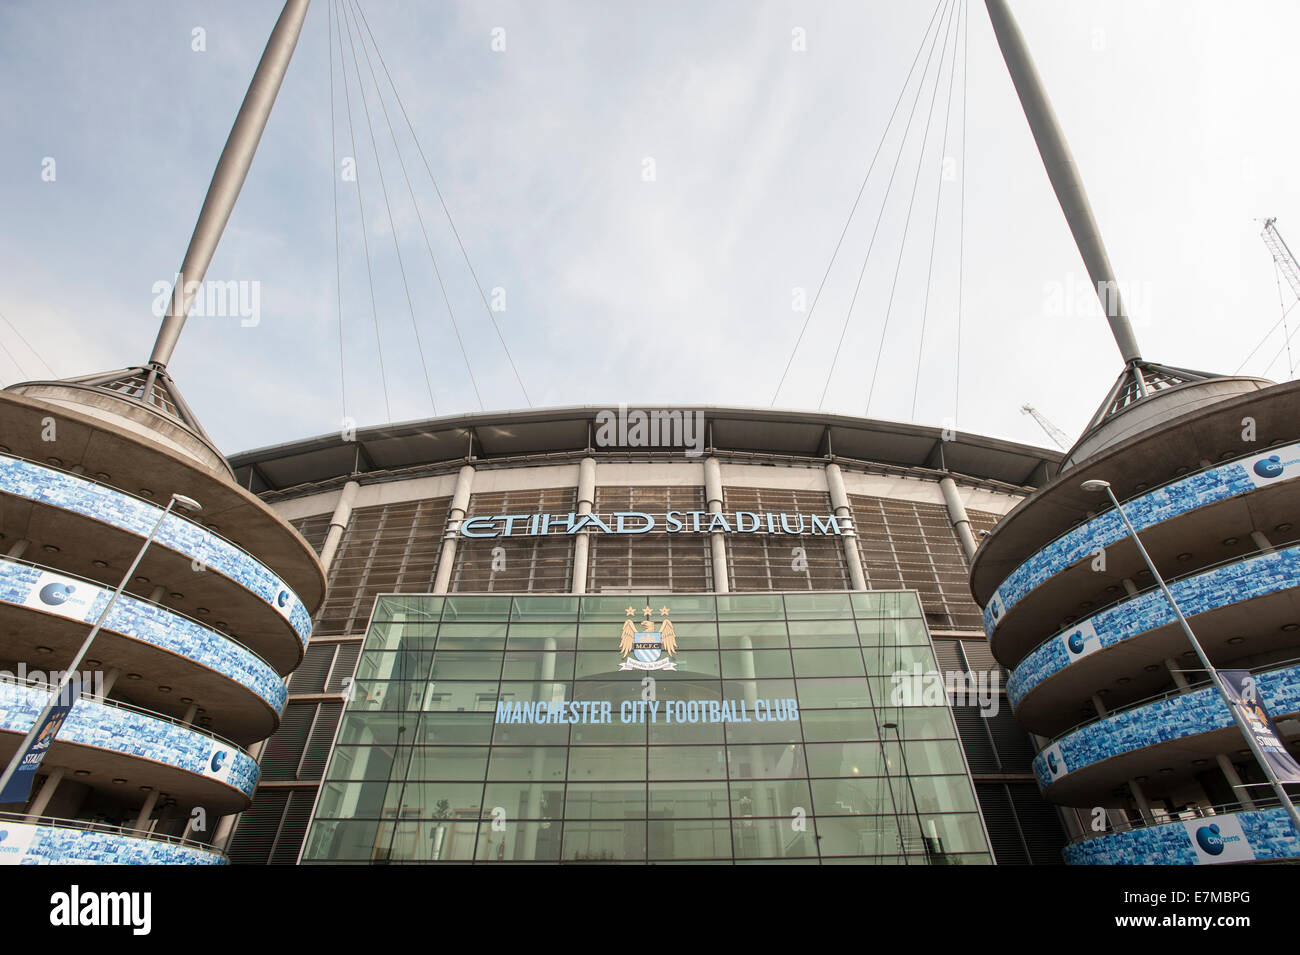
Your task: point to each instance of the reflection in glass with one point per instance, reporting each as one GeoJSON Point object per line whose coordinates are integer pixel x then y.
{"type": "Point", "coordinates": [773, 761]}
{"type": "Point", "coordinates": [605, 801]}
{"type": "Point", "coordinates": [511, 801]}
{"type": "Point", "coordinates": [605, 840]}
{"type": "Point", "coordinates": [689, 839]}
{"type": "Point", "coordinates": [856, 796]}
{"type": "Point", "coordinates": [520, 842]}
{"type": "Point", "coordinates": [423, 772]}
{"type": "Point", "coordinates": [867, 835]}
{"type": "Point", "coordinates": [607, 762]}
{"type": "Point", "coordinates": [528, 762]}
{"type": "Point", "coordinates": [687, 762]}
{"type": "Point", "coordinates": [833, 692]}
{"type": "Point", "coordinates": [829, 662]}
{"type": "Point", "coordinates": [845, 759]}
{"type": "Point", "coordinates": [772, 838]}
{"type": "Point", "coordinates": [846, 724]}
{"type": "Point", "coordinates": [770, 797]}
{"type": "Point", "coordinates": [688, 800]}
{"type": "Point", "coordinates": [823, 633]}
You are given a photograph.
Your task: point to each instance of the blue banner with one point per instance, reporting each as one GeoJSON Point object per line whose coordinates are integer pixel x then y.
{"type": "Point", "coordinates": [19, 787]}
{"type": "Point", "coordinates": [1243, 697]}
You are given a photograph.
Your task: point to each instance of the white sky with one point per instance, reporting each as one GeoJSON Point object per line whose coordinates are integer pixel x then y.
{"type": "Point", "coordinates": [1180, 116]}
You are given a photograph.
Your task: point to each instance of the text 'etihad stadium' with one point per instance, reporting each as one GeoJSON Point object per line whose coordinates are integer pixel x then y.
{"type": "Point", "coordinates": [639, 522]}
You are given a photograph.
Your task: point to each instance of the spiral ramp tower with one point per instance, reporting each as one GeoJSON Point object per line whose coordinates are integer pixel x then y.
{"type": "Point", "coordinates": [1135, 743]}
{"type": "Point", "coordinates": [186, 676]}
{"type": "Point", "coordinates": [1134, 740]}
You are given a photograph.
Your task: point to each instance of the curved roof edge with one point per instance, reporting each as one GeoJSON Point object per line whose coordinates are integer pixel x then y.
{"type": "Point", "coordinates": [540, 432]}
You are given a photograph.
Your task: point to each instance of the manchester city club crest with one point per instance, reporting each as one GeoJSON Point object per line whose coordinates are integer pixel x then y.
{"type": "Point", "coordinates": [648, 648]}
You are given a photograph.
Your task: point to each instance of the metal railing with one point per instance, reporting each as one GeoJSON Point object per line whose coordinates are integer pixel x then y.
{"type": "Point", "coordinates": [1186, 814]}
{"type": "Point", "coordinates": [1140, 494]}
{"type": "Point", "coordinates": [144, 600]}
{"type": "Point", "coordinates": [154, 504]}
{"type": "Point", "coordinates": [118, 704]}
{"type": "Point", "coordinates": [1154, 588]}
{"type": "Point", "coordinates": [86, 825]}
{"type": "Point", "coordinates": [1167, 694]}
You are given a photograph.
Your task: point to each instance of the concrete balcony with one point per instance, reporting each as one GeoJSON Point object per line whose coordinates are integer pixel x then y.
{"type": "Point", "coordinates": [60, 510]}
{"type": "Point", "coordinates": [46, 841]}
{"type": "Point", "coordinates": [111, 745]}
{"type": "Point", "coordinates": [1216, 837]}
{"type": "Point", "coordinates": [1200, 519]}
{"type": "Point", "coordinates": [1166, 739]}
{"type": "Point", "coordinates": [1243, 607]}
{"type": "Point", "coordinates": [166, 662]}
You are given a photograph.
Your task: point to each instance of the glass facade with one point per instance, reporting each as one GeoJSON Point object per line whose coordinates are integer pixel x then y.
{"type": "Point", "coordinates": [527, 729]}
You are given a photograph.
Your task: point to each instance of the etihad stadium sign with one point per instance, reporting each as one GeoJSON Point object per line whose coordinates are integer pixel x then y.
{"type": "Point", "coordinates": [639, 522]}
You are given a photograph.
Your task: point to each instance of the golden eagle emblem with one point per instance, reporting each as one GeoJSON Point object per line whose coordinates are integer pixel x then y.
{"type": "Point", "coordinates": [649, 648]}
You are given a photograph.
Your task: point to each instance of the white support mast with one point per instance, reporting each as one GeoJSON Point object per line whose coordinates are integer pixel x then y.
{"type": "Point", "coordinates": [229, 177]}
{"type": "Point", "coordinates": [1063, 173]}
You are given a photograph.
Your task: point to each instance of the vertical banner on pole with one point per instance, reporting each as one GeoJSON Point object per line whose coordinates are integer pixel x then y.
{"type": "Point", "coordinates": [1244, 698]}
{"type": "Point", "coordinates": [19, 786]}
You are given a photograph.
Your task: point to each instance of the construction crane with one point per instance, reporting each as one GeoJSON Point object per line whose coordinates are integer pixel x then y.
{"type": "Point", "coordinates": [1285, 265]}
{"type": "Point", "coordinates": [1056, 434]}
{"type": "Point", "coordinates": [1282, 256]}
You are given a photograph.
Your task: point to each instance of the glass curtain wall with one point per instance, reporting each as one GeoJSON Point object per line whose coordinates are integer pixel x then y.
{"type": "Point", "coordinates": [755, 727]}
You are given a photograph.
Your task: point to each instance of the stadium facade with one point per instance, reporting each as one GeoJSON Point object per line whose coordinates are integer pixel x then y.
{"type": "Point", "coordinates": [464, 696]}
{"type": "Point", "coordinates": [666, 635]}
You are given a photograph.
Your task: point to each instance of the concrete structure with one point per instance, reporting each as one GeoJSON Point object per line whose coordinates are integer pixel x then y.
{"type": "Point", "coordinates": [1133, 732]}
{"type": "Point", "coordinates": [186, 666]}
{"type": "Point", "coordinates": [414, 499]}
{"type": "Point", "coordinates": [191, 660]}
{"type": "Point", "coordinates": [1134, 738]}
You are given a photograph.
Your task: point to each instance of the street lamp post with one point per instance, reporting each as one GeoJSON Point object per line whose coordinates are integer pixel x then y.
{"type": "Point", "coordinates": [1099, 485]}
{"type": "Point", "coordinates": [56, 694]}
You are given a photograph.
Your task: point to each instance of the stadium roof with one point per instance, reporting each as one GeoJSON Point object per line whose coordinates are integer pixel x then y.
{"type": "Point", "coordinates": [534, 436]}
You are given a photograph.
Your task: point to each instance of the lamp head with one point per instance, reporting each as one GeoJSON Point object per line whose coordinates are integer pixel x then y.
{"type": "Point", "coordinates": [1096, 484]}
{"type": "Point", "coordinates": [187, 502]}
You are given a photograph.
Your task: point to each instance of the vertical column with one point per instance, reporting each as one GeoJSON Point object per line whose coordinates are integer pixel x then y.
{"type": "Point", "coordinates": [1144, 807]}
{"type": "Point", "coordinates": [1225, 765]}
{"type": "Point", "coordinates": [1234, 780]}
{"type": "Point", "coordinates": [1069, 816]}
{"type": "Point", "coordinates": [717, 542]}
{"type": "Point", "coordinates": [459, 505]}
{"type": "Point", "coordinates": [146, 811]}
{"type": "Point", "coordinates": [110, 680]}
{"type": "Point", "coordinates": [844, 517]}
{"type": "Point", "coordinates": [533, 809]}
{"type": "Point", "coordinates": [42, 799]}
{"type": "Point", "coordinates": [582, 543]}
{"type": "Point", "coordinates": [957, 515]}
{"type": "Point", "coordinates": [338, 523]}
{"type": "Point", "coordinates": [1140, 797]}
{"type": "Point", "coordinates": [1179, 678]}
